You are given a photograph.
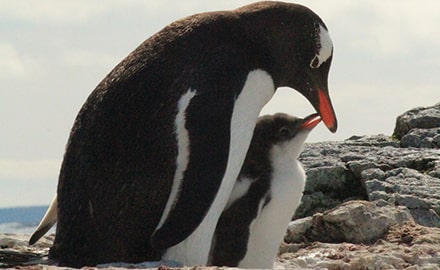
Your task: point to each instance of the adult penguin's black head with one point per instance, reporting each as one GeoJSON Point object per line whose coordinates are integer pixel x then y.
{"type": "Point", "coordinates": [299, 47]}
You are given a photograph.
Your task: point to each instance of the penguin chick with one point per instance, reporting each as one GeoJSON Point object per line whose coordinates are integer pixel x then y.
{"type": "Point", "coordinates": [267, 192]}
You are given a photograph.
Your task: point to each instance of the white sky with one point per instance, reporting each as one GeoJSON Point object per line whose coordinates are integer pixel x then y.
{"type": "Point", "coordinates": [54, 53]}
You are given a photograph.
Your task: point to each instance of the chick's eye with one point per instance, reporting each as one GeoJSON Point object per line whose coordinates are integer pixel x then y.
{"type": "Point", "coordinates": [284, 132]}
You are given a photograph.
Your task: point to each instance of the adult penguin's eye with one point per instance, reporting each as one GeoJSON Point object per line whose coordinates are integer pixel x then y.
{"type": "Point", "coordinates": [315, 62]}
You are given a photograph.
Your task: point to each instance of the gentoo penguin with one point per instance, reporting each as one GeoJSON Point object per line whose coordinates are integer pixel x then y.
{"type": "Point", "coordinates": [155, 150]}
{"type": "Point", "coordinates": [267, 192]}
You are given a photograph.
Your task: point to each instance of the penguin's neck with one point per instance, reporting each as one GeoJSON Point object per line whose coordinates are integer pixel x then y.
{"type": "Point", "coordinates": [257, 91]}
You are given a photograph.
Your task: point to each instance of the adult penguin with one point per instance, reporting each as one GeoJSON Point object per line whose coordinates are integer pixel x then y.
{"type": "Point", "coordinates": [155, 150]}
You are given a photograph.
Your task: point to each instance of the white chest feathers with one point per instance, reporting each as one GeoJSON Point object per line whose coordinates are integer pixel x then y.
{"type": "Point", "coordinates": [269, 227]}
{"type": "Point", "coordinates": [257, 91]}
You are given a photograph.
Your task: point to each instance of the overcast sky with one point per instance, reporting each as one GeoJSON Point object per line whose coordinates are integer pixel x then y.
{"type": "Point", "coordinates": [54, 53]}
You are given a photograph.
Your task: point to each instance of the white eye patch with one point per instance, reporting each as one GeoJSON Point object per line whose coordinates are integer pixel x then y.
{"type": "Point", "coordinates": [325, 45]}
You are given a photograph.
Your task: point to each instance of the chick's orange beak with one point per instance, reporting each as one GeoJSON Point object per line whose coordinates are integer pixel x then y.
{"type": "Point", "coordinates": [311, 121]}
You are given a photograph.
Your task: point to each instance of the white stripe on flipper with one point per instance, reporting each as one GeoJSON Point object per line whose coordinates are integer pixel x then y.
{"type": "Point", "coordinates": [182, 153]}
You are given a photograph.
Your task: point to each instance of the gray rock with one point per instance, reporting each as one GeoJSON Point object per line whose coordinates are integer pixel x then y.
{"type": "Point", "coordinates": [373, 173]}
{"type": "Point", "coordinates": [372, 168]}
{"type": "Point", "coordinates": [421, 117]}
{"type": "Point", "coordinates": [422, 138]}
{"type": "Point", "coordinates": [315, 203]}
{"type": "Point", "coordinates": [328, 177]}
{"type": "Point", "coordinates": [297, 230]}
{"type": "Point", "coordinates": [353, 221]}
{"type": "Point", "coordinates": [404, 246]}
{"type": "Point", "coordinates": [380, 140]}
{"type": "Point", "coordinates": [15, 250]}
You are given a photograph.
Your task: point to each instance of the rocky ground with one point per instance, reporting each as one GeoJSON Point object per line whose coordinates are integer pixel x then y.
{"type": "Point", "coordinates": [370, 202]}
